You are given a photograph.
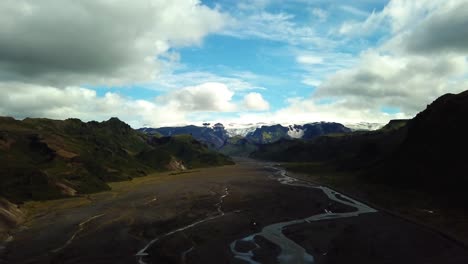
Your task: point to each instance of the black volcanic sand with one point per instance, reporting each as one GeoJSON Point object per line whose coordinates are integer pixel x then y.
{"type": "Point", "coordinates": [111, 227]}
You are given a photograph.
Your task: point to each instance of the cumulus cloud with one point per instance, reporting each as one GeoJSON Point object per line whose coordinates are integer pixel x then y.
{"type": "Point", "coordinates": [203, 97]}
{"type": "Point", "coordinates": [306, 110]}
{"type": "Point", "coordinates": [423, 58]}
{"type": "Point", "coordinates": [445, 30]}
{"type": "Point", "coordinates": [61, 43]}
{"type": "Point", "coordinates": [254, 101]}
{"type": "Point", "coordinates": [405, 82]}
{"type": "Point", "coordinates": [24, 100]}
{"type": "Point", "coordinates": [49, 48]}
{"type": "Point", "coordinates": [179, 107]}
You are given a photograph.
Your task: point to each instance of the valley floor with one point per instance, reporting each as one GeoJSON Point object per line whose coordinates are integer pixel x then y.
{"type": "Point", "coordinates": [221, 215]}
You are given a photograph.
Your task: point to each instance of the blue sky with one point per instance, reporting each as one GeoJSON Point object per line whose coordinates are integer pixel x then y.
{"type": "Point", "coordinates": [157, 63]}
{"type": "Point", "coordinates": [273, 62]}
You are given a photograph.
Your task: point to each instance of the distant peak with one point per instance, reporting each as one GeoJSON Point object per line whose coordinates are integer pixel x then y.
{"type": "Point", "coordinates": [114, 119]}
{"type": "Point", "coordinates": [116, 123]}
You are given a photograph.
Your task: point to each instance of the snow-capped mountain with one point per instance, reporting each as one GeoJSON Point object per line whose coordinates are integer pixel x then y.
{"type": "Point", "coordinates": [234, 129]}
{"type": "Point", "coordinates": [232, 132]}
{"type": "Point", "coordinates": [295, 131]}
{"type": "Point", "coordinates": [364, 126]}
{"type": "Point", "coordinates": [216, 135]}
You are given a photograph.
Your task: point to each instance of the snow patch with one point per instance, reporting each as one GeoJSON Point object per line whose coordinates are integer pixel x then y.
{"type": "Point", "coordinates": [364, 126]}
{"type": "Point", "coordinates": [295, 132]}
{"type": "Point", "coordinates": [240, 131]}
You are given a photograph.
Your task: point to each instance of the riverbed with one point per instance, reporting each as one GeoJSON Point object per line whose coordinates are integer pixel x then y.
{"type": "Point", "coordinates": [251, 212]}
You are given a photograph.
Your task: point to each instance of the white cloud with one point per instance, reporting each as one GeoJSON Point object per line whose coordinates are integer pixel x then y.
{"type": "Point", "coordinates": [321, 14]}
{"type": "Point", "coordinates": [203, 97]}
{"type": "Point", "coordinates": [444, 30]}
{"type": "Point", "coordinates": [311, 81]}
{"type": "Point", "coordinates": [97, 42]}
{"type": "Point", "coordinates": [301, 111]}
{"type": "Point", "coordinates": [422, 59]}
{"type": "Point", "coordinates": [408, 82]}
{"type": "Point", "coordinates": [353, 10]}
{"type": "Point", "coordinates": [255, 101]}
{"type": "Point", "coordinates": [178, 107]}
{"type": "Point", "coordinates": [397, 16]}
{"type": "Point", "coordinates": [367, 27]}
{"type": "Point", "coordinates": [236, 81]}
{"type": "Point", "coordinates": [252, 4]}
{"type": "Point", "coordinates": [309, 59]}
{"type": "Point", "coordinates": [277, 27]}
{"type": "Point", "coordinates": [25, 100]}
{"type": "Point", "coordinates": [422, 55]}
{"type": "Point", "coordinates": [308, 110]}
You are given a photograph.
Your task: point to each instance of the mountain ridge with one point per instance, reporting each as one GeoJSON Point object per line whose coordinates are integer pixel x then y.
{"type": "Point", "coordinates": [44, 158]}
{"type": "Point", "coordinates": [219, 138]}
{"type": "Point", "coordinates": [425, 152]}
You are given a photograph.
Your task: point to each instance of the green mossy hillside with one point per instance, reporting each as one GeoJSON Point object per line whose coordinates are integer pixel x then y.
{"type": "Point", "coordinates": [46, 159]}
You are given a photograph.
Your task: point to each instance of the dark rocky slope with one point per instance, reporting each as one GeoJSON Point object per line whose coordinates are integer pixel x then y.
{"type": "Point", "coordinates": [427, 152]}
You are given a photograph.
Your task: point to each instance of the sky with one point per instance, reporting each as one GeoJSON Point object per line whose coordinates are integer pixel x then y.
{"type": "Point", "coordinates": [160, 63]}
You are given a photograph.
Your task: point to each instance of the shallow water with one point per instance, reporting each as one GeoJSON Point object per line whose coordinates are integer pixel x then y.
{"type": "Point", "coordinates": [291, 252]}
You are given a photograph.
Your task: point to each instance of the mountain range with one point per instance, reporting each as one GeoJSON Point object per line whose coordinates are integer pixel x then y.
{"type": "Point", "coordinates": [47, 159]}
{"type": "Point", "coordinates": [44, 158]}
{"type": "Point", "coordinates": [227, 142]}
{"type": "Point", "coordinates": [426, 152]}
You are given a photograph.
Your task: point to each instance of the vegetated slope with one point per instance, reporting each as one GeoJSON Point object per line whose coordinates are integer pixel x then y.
{"type": "Point", "coordinates": [190, 151]}
{"type": "Point", "coordinates": [44, 159]}
{"type": "Point", "coordinates": [268, 134]}
{"type": "Point", "coordinates": [426, 152]}
{"type": "Point", "coordinates": [214, 137]}
{"type": "Point", "coordinates": [238, 146]}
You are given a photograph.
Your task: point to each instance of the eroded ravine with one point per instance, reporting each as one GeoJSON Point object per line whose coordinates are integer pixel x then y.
{"type": "Point", "coordinates": [291, 252]}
